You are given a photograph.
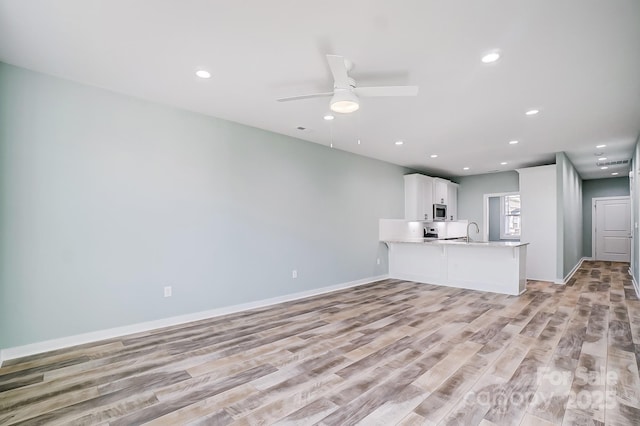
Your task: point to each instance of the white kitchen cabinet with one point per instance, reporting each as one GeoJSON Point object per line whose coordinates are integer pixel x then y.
{"type": "Point", "coordinates": [440, 191]}
{"type": "Point", "coordinates": [446, 192]}
{"type": "Point", "coordinates": [421, 192]}
{"type": "Point", "coordinates": [452, 201]}
{"type": "Point", "coordinates": [418, 197]}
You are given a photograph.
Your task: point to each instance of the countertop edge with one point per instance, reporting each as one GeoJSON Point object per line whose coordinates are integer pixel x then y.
{"type": "Point", "coordinates": [504, 244]}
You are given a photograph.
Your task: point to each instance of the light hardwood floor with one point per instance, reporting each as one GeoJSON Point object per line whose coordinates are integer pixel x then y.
{"type": "Point", "coordinates": [392, 352]}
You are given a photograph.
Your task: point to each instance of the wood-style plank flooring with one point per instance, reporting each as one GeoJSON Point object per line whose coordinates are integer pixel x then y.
{"type": "Point", "coordinates": [392, 352]}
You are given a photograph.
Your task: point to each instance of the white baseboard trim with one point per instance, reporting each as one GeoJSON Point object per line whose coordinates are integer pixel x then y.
{"type": "Point", "coordinates": [549, 280]}
{"type": "Point", "coordinates": [573, 271]}
{"type": "Point", "coordinates": [94, 336]}
{"type": "Point", "coordinates": [635, 284]}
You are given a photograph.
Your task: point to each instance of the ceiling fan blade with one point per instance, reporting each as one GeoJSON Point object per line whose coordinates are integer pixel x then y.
{"type": "Point", "coordinates": [339, 71]}
{"type": "Point", "coordinates": [313, 95]}
{"type": "Point", "coordinates": [387, 91]}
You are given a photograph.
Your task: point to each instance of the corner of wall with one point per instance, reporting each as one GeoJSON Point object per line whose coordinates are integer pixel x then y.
{"type": "Point", "coordinates": [573, 271]}
{"type": "Point", "coordinates": [560, 167]}
{"type": "Point", "coordinates": [635, 211]}
{"type": "Point", "coordinates": [569, 215]}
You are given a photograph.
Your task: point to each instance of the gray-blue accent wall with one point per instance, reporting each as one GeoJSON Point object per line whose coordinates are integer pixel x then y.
{"type": "Point", "coordinates": [594, 188]}
{"type": "Point", "coordinates": [473, 188]}
{"type": "Point", "coordinates": [105, 199]}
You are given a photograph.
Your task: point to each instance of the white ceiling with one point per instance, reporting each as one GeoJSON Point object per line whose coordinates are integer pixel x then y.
{"type": "Point", "coordinates": [578, 61]}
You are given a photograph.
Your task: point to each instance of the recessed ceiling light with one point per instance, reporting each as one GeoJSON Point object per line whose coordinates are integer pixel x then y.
{"type": "Point", "coordinates": [399, 142]}
{"type": "Point", "coordinates": [203, 74]}
{"type": "Point", "coordinates": [504, 163]}
{"type": "Point", "coordinates": [465, 168]}
{"type": "Point", "coordinates": [328, 117]}
{"type": "Point", "coordinates": [532, 112]}
{"type": "Point", "coordinates": [614, 174]}
{"type": "Point", "coordinates": [434, 156]}
{"type": "Point", "coordinates": [602, 158]}
{"type": "Point", "coordinates": [601, 146]}
{"type": "Point", "coordinates": [491, 57]}
{"type": "Point", "coordinates": [513, 142]}
{"type": "Point", "coordinates": [604, 168]}
{"type": "Point", "coordinates": [358, 141]}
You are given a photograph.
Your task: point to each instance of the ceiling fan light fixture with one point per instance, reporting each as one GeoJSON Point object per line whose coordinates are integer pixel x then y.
{"type": "Point", "coordinates": [491, 57]}
{"type": "Point", "coordinates": [344, 102]}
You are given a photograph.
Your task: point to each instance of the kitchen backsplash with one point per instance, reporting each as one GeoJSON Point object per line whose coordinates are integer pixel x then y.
{"type": "Point", "coordinates": [399, 229]}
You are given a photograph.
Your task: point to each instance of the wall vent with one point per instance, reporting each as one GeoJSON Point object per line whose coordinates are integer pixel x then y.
{"type": "Point", "coordinates": [611, 163]}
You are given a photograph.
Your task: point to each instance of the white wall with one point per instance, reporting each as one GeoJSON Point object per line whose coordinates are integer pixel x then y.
{"type": "Point", "coordinates": [538, 196]}
{"type": "Point", "coordinates": [105, 199]}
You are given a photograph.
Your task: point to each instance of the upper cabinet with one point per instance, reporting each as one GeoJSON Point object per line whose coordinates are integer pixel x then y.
{"type": "Point", "coordinates": [452, 201]}
{"type": "Point", "coordinates": [418, 197]}
{"type": "Point", "coordinates": [422, 192]}
{"type": "Point", "coordinates": [440, 191]}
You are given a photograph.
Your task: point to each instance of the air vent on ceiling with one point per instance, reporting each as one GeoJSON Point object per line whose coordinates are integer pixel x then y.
{"type": "Point", "coordinates": [612, 163]}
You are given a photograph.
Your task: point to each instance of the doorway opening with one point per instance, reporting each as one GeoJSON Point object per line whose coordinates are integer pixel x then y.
{"type": "Point", "coordinates": [501, 217]}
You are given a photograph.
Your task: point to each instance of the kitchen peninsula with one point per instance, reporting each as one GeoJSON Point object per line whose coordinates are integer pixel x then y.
{"type": "Point", "coordinates": [495, 266]}
{"type": "Point", "coordinates": [434, 248]}
{"type": "Point", "coordinates": [448, 260]}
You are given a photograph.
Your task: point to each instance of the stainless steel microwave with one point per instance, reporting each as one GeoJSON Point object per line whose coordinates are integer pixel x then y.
{"type": "Point", "coordinates": [439, 212]}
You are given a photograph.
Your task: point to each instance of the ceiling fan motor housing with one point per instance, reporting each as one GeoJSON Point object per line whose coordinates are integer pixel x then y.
{"type": "Point", "coordinates": [345, 95]}
{"type": "Point", "coordinates": [352, 84]}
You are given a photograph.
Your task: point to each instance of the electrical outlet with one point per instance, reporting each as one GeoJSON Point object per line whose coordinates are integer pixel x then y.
{"type": "Point", "coordinates": [378, 261]}
{"type": "Point", "coordinates": [167, 291]}
{"type": "Point", "coordinates": [294, 273]}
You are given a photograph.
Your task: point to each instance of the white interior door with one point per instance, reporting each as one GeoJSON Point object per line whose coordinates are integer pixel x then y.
{"type": "Point", "coordinates": [612, 233]}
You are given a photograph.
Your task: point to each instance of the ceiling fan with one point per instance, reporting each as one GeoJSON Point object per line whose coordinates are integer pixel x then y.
{"type": "Point", "coordinates": [345, 95]}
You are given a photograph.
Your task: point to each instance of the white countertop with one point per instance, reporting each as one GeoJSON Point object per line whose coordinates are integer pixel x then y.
{"type": "Point", "coordinates": [472, 243]}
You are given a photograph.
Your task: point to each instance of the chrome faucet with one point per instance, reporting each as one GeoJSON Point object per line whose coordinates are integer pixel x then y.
{"type": "Point", "coordinates": [477, 230]}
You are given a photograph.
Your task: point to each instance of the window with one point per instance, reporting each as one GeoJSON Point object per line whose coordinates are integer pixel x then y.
{"type": "Point", "coordinates": [510, 217]}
